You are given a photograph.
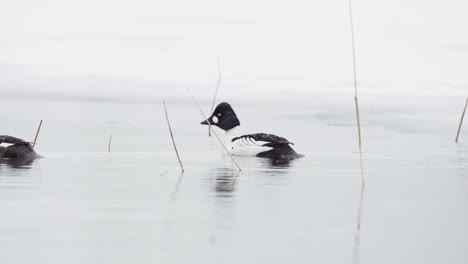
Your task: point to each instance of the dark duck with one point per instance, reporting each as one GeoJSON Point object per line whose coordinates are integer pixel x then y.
{"type": "Point", "coordinates": [273, 147]}
{"type": "Point", "coordinates": [18, 150]}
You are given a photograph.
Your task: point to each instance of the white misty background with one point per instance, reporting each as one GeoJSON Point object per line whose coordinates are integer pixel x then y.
{"type": "Point", "coordinates": [135, 49]}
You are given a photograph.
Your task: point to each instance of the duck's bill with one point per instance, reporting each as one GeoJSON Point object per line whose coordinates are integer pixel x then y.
{"type": "Point", "coordinates": [205, 122]}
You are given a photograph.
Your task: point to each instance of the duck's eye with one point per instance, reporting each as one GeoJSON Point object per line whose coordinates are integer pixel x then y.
{"type": "Point", "coordinates": [219, 114]}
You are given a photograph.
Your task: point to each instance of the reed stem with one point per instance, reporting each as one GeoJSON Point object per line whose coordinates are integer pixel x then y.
{"type": "Point", "coordinates": [109, 145]}
{"type": "Point", "coordinates": [356, 92]}
{"type": "Point", "coordinates": [172, 137]}
{"type": "Point", "coordinates": [216, 92]}
{"type": "Point", "coordinates": [37, 133]}
{"type": "Point", "coordinates": [461, 121]}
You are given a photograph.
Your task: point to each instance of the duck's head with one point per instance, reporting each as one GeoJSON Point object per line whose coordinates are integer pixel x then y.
{"type": "Point", "coordinates": [223, 117]}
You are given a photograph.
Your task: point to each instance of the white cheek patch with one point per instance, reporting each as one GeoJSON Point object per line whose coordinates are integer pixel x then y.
{"type": "Point", "coordinates": [215, 119]}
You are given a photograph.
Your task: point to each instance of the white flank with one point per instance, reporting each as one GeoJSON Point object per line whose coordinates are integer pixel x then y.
{"type": "Point", "coordinates": [243, 147]}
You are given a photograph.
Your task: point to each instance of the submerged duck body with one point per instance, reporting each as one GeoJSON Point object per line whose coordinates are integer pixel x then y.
{"type": "Point", "coordinates": [259, 144]}
{"type": "Point", "coordinates": [19, 150]}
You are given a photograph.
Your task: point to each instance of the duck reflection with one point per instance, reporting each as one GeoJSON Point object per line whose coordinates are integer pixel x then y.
{"type": "Point", "coordinates": [17, 163]}
{"type": "Point", "coordinates": [225, 180]}
{"type": "Point", "coordinates": [226, 177]}
{"type": "Point", "coordinates": [275, 167]}
{"type": "Point", "coordinates": [277, 163]}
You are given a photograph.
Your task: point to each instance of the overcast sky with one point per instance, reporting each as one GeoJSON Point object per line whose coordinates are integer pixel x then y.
{"type": "Point", "coordinates": [148, 47]}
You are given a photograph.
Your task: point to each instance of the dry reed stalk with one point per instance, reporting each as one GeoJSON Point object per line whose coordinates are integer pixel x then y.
{"type": "Point", "coordinates": [461, 121]}
{"type": "Point", "coordinates": [357, 244]}
{"type": "Point", "coordinates": [211, 128]}
{"type": "Point", "coordinates": [216, 93]}
{"type": "Point", "coordinates": [356, 92]}
{"type": "Point", "coordinates": [172, 137]}
{"type": "Point", "coordinates": [37, 133]}
{"type": "Point", "coordinates": [109, 145]}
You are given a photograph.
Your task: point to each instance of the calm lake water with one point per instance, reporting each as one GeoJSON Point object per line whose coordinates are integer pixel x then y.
{"type": "Point", "coordinates": [82, 204]}
{"type": "Point", "coordinates": [93, 68]}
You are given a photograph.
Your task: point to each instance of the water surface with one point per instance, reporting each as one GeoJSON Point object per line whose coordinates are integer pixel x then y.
{"type": "Point", "coordinates": [83, 204]}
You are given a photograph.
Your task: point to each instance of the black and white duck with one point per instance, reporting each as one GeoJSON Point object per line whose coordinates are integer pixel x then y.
{"type": "Point", "coordinates": [259, 144]}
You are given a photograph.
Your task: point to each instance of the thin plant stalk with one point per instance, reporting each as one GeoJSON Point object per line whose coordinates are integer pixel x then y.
{"type": "Point", "coordinates": [461, 121]}
{"type": "Point", "coordinates": [214, 132]}
{"type": "Point", "coordinates": [109, 145]}
{"type": "Point", "coordinates": [356, 92]}
{"type": "Point", "coordinates": [216, 92]}
{"type": "Point", "coordinates": [357, 244]}
{"type": "Point", "coordinates": [37, 133]}
{"type": "Point", "coordinates": [172, 137]}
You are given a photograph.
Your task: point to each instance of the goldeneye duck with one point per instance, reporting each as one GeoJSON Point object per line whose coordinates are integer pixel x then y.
{"type": "Point", "coordinates": [18, 151]}
{"type": "Point", "coordinates": [260, 144]}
